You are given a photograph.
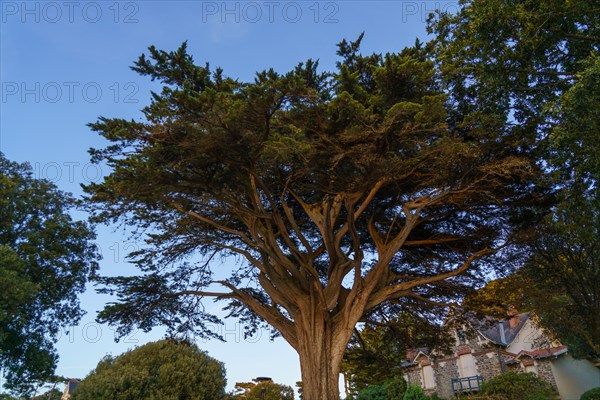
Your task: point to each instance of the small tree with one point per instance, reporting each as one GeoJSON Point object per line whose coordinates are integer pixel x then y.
{"type": "Point", "coordinates": [269, 391]}
{"type": "Point", "coordinates": [167, 369]}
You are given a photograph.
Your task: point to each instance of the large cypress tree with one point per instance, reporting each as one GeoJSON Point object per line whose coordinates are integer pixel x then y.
{"type": "Point", "coordinates": [338, 192]}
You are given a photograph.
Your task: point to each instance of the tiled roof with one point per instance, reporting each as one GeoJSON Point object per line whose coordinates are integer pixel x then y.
{"type": "Point", "coordinates": [499, 331]}
{"type": "Point", "coordinates": [535, 354]}
{"type": "Point", "coordinates": [543, 353]}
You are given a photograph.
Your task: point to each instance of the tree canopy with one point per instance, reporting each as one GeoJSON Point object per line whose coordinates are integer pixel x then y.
{"type": "Point", "coordinates": [46, 259]}
{"type": "Point", "coordinates": [559, 283]}
{"type": "Point", "coordinates": [168, 369]}
{"type": "Point", "coordinates": [535, 63]}
{"type": "Point", "coordinates": [341, 191]}
{"type": "Point", "coordinates": [517, 59]}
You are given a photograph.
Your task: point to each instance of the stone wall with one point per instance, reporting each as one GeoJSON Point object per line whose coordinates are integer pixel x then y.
{"type": "Point", "coordinates": [444, 371]}
{"type": "Point", "coordinates": [544, 371]}
{"type": "Point", "coordinates": [413, 376]}
{"type": "Point", "coordinates": [488, 362]}
{"type": "Point", "coordinates": [488, 365]}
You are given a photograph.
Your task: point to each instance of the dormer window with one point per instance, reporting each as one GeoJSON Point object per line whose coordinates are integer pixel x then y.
{"type": "Point", "coordinates": [462, 336]}
{"type": "Point", "coordinates": [529, 365]}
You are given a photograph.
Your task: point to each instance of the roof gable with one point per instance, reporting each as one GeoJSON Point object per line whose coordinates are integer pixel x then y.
{"type": "Point", "coordinates": [501, 332]}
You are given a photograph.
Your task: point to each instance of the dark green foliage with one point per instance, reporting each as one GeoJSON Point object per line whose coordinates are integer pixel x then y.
{"type": "Point", "coordinates": [434, 396]}
{"type": "Point", "coordinates": [341, 192]}
{"type": "Point", "coordinates": [414, 392]}
{"type": "Point", "coordinates": [534, 66]}
{"type": "Point", "coordinates": [269, 391]}
{"type": "Point", "coordinates": [211, 144]}
{"type": "Point", "coordinates": [513, 385]}
{"type": "Point", "coordinates": [566, 260]}
{"type": "Point", "coordinates": [592, 394]}
{"type": "Point", "coordinates": [376, 352]}
{"type": "Point", "coordinates": [372, 392]}
{"type": "Point", "coordinates": [395, 388]}
{"type": "Point", "coordinates": [53, 394]}
{"type": "Point", "coordinates": [46, 259]}
{"type": "Point", "coordinates": [514, 59]}
{"type": "Point", "coordinates": [391, 389]}
{"type": "Point", "coordinates": [165, 370]}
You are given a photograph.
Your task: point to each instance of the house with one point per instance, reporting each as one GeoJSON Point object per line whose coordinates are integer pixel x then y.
{"type": "Point", "coordinates": [485, 347]}
{"type": "Point", "coordinates": [71, 385]}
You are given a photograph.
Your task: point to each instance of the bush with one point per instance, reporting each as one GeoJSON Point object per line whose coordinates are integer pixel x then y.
{"type": "Point", "coordinates": [165, 370]}
{"type": "Point", "coordinates": [270, 391]}
{"type": "Point", "coordinates": [395, 388]}
{"type": "Point", "coordinates": [391, 389]}
{"type": "Point", "coordinates": [513, 385]}
{"type": "Point", "coordinates": [592, 394]}
{"type": "Point", "coordinates": [414, 392]}
{"type": "Point", "coordinates": [53, 394]}
{"type": "Point", "coordinates": [372, 392]}
{"type": "Point", "coordinates": [434, 396]}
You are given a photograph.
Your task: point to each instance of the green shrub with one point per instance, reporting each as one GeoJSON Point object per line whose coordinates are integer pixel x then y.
{"type": "Point", "coordinates": [414, 392]}
{"type": "Point", "coordinates": [592, 394]}
{"type": "Point", "coordinates": [434, 396]}
{"type": "Point", "coordinates": [167, 370]}
{"type": "Point", "coordinates": [395, 388]}
{"type": "Point", "coordinates": [372, 392]}
{"type": "Point", "coordinates": [391, 389]}
{"type": "Point", "coordinates": [513, 385]}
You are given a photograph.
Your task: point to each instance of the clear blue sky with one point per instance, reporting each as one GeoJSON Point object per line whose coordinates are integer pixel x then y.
{"type": "Point", "coordinates": [64, 63]}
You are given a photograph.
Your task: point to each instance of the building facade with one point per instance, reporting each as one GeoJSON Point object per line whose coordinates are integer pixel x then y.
{"type": "Point", "coordinates": [485, 348]}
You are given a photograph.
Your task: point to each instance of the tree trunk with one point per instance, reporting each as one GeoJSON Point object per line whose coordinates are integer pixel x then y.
{"type": "Point", "coordinates": [319, 376]}
{"type": "Point", "coordinates": [321, 353]}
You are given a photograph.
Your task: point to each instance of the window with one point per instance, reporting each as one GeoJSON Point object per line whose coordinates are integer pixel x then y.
{"type": "Point", "coordinates": [466, 365]}
{"type": "Point", "coordinates": [531, 368]}
{"type": "Point", "coordinates": [427, 376]}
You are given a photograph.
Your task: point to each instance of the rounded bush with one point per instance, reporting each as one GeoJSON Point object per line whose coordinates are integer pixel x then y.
{"type": "Point", "coordinates": [391, 389]}
{"type": "Point", "coordinates": [372, 392]}
{"type": "Point", "coordinates": [592, 394]}
{"type": "Point", "coordinates": [414, 392]}
{"type": "Point", "coordinates": [395, 388]}
{"type": "Point", "coordinates": [513, 385]}
{"type": "Point", "coordinates": [163, 370]}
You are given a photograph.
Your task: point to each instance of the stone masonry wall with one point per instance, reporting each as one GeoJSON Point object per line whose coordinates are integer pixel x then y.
{"type": "Point", "coordinates": [444, 371]}
{"type": "Point", "coordinates": [488, 365]}
{"type": "Point", "coordinates": [544, 371]}
{"type": "Point", "coordinates": [413, 376]}
{"type": "Point", "coordinates": [487, 362]}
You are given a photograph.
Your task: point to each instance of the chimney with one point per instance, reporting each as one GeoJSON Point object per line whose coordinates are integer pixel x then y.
{"type": "Point", "coordinates": [502, 334]}
{"type": "Point", "coordinates": [513, 314]}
